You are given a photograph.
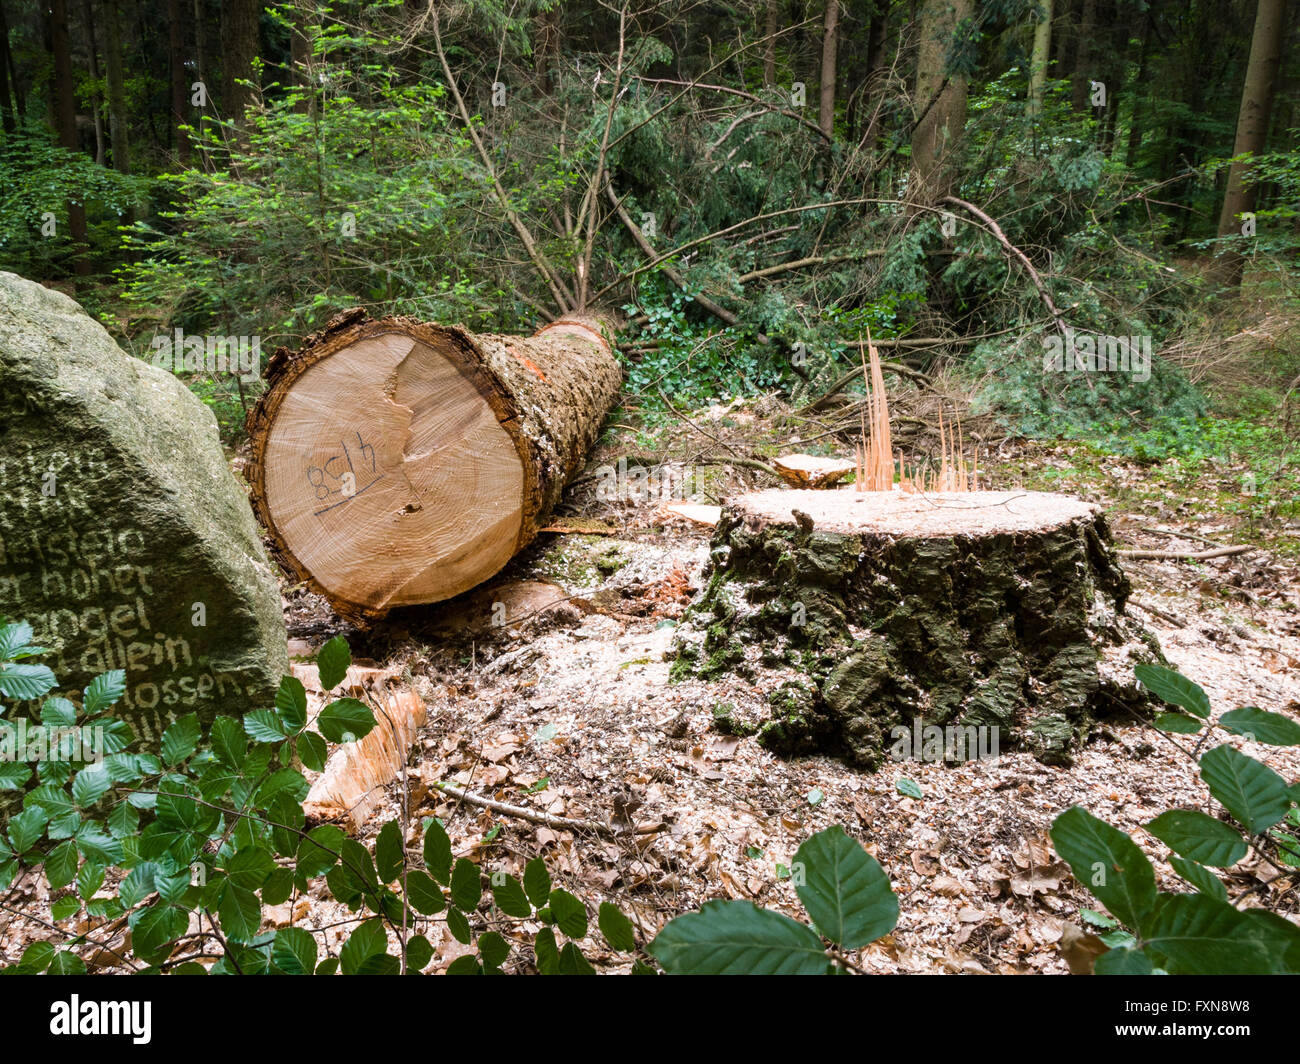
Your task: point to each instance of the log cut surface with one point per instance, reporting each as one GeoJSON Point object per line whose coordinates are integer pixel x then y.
{"type": "Point", "coordinates": [398, 462]}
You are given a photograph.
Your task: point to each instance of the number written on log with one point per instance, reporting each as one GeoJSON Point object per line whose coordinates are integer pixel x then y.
{"type": "Point", "coordinates": [339, 476]}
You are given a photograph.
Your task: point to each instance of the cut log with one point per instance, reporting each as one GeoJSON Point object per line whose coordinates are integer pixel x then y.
{"type": "Point", "coordinates": [397, 462]}
{"type": "Point", "coordinates": [878, 615]}
{"type": "Point", "coordinates": [809, 471]}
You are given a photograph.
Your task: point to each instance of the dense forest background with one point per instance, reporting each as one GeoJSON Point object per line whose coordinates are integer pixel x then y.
{"type": "Point", "coordinates": [755, 186]}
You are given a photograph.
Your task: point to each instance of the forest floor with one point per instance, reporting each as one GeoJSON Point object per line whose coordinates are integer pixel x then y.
{"type": "Point", "coordinates": [567, 709]}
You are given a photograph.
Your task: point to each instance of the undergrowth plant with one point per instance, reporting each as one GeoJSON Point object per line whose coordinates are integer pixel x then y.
{"type": "Point", "coordinates": [1205, 931]}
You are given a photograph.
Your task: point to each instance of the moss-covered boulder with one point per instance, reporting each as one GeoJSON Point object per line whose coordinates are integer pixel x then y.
{"type": "Point", "coordinates": [1000, 614]}
{"type": "Point", "coordinates": [125, 540]}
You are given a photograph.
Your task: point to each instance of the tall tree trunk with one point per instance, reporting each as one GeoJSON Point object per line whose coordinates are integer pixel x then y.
{"type": "Point", "coordinates": [239, 36]}
{"type": "Point", "coordinates": [877, 74]}
{"type": "Point", "coordinates": [8, 112]}
{"type": "Point", "coordinates": [300, 56]}
{"type": "Point", "coordinates": [179, 82]}
{"type": "Point", "coordinates": [1083, 53]}
{"type": "Point", "coordinates": [1252, 131]}
{"type": "Point", "coordinates": [826, 107]}
{"type": "Point", "coordinates": [117, 113]}
{"type": "Point", "coordinates": [1137, 113]}
{"type": "Point", "coordinates": [770, 27]}
{"type": "Point", "coordinates": [1040, 57]}
{"type": "Point", "coordinates": [92, 50]}
{"type": "Point", "coordinates": [940, 97]}
{"type": "Point", "coordinates": [65, 115]}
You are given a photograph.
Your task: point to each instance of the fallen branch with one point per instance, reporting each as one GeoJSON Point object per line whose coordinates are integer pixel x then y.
{"type": "Point", "coordinates": [1001, 237]}
{"type": "Point", "coordinates": [1183, 555]}
{"type": "Point", "coordinates": [548, 820]}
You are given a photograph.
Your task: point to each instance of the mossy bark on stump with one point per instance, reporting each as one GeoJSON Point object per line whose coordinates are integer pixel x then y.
{"type": "Point", "coordinates": [987, 610]}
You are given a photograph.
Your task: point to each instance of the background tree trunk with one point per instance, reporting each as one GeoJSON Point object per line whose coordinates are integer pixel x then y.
{"type": "Point", "coordinates": [240, 40]}
{"type": "Point", "coordinates": [940, 97]}
{"type": "Point", "coordinates": [1252, 131]}
{"type": "Point", "coordinates": [65, 112]}
{"type": "Point", "coordinates": [179, 82]}
{"type": "Point", "coordinates": [826, 111]}
{"type": "Point", "coordinates": [1040, 58]}
{"type": "Point", "coordinates": [117, 114]}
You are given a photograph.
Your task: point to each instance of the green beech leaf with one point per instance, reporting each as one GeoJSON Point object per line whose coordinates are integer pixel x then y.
{"type": "Point", "coordinates": [1199, 935]}
{"type": "Point", "coordinates": [1272, 729]}
{"type": "Point", "coordinates": [738, 938]}
{"type": "Point", "coordinates": [568, 913]}
{"type": "Point", "coordinates": [1205, 881]}
{"type": "Point", "coordinates": [508, 895]}
{"type": "Point", "coordinates": [537, 882]}
{"type": "Point", "coordinates": [180, 739]}
{"type": "Point", "coordinates": [1198, 837]}
{"type": "Point", "coordinates": [294, 952]}
{"type": "Point", "coordinates": [1108, 863]}
{"type": "Point", "coordinates": [423, 893]}
{"type": "Point", "coordinates": [367, 940]}
{"type": "Point", "coordinates": [845, 890]}
{"type": "Point", "coordinates": [1249, 790]}
{"type": "Point", "coordinates": [104, 690]}
{"type": "Point", "coordinates": [389, 852]}
{"type": "Point", "coordinates": [616, 928]}
{"type": "Point", "coordinates": [1124, 961]}
{"type": "Point", "coordinates": [291, 704]}
{"type": "Point", "coordinates": [345, 720]}
{"type": "Point", "coordinates": [466, 886]}
{"type": "Point", "coordinates": [332, 662]}
{"type": "Point", "coordinates": [1174, 688]}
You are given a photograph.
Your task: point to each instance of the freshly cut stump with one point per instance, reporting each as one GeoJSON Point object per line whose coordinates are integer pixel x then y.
{"type": "Point", "coordinates": [398, 462]}
{"type": "Point", "coordinates": [884, 613]}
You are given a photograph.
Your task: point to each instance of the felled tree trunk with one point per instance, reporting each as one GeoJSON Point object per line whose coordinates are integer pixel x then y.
{"type": "Point", "coordinates": [397, 462]}
{"type": "Point", "coordinates": [883, 613]}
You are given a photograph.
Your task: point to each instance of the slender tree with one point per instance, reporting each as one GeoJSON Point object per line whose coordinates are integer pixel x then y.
{"type": "Point", "coordinates": [940, 95]}
{"type": "Point", "coordinates": [1040, 57]}
{"type": "Point", "coordinates": [826, 107]}
{"type": "Point", "coordinates": [65, 113]}
{"type": "Point", "coordinates": [1252, 132]}
{"type": "Point", "coordinates": [178, 80]}
{"type": "Point", "coordinates": [240, 47]}
{"type": "Point", "coordinates": [117, 113]}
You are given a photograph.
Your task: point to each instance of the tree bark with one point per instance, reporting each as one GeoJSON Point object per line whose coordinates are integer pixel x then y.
{"type": "Point", "coordinates": [1083, 52]}
{"type": "Point", "coordinates": [92, 54]}
{"type": "Point", "coordinates": [770, 27]}
{"type": "Point", "coordinates": [179, 82]}
{"type": "Point", "coordinates": [826, 107]}
{"type": "Point", "coordinates": [940, 97]}
{"type": "Point", "coordinates": [397, 462]}
{"type": "Point", "coordinates": [10, 103]}
{"type": "Point", "coordinates": [65, 113]}
{"type": "Point", "coordinates": [985, 610]}
{"type": "Point", "coordinates": [239, 35]}
{"type": "Point", "coordinates": [117, 113]}
{"type": "Point", "coordinates": [1252, 132]}
{"type": "Point", "coordinates": [1040, 57]}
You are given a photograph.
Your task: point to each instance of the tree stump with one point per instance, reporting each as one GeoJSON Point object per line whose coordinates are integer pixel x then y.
{"type": "Point", "coordinates": [397, 462]}
{"type": "Point", "coordinates": [884, 614]}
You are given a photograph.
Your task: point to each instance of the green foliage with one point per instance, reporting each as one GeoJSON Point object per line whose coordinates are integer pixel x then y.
{"type": "Point", "coordinates": [211, 831]}
{"type": "Point", "coordinates": [1200, 933]}
{"type": "Point", "coordinates": [845, 892]}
